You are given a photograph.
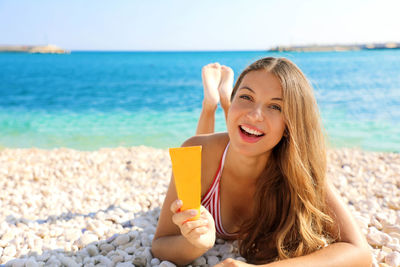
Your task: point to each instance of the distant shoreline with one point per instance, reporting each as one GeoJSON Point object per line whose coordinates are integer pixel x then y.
{"type": "Point", "coordinates": [335, 47]}
{"type": "Point", "coordinates": [40, 49]}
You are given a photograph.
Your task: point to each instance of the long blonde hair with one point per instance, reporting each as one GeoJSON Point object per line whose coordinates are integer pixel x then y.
{"type": "Point", "coordinates": [290, 211]}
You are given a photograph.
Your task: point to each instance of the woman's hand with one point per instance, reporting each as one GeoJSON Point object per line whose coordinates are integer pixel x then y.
{"type": "Point", "coordinates": [232, 263]}
{"type": "Point", "coordinates": [201, 232]}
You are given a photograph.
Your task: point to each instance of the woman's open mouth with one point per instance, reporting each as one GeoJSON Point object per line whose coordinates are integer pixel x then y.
{"type": "Point", "coordinates": [250, 135]}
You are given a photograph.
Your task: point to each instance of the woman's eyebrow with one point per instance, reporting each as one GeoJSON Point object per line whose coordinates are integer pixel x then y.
{"type": "Point", "coordinates": [248, 88]}
{"type": "Point", "coordinates": [251, 90]}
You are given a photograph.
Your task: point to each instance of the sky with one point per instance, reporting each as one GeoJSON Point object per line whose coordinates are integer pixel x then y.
{"type": "Point", "coordinates": [165, 25]}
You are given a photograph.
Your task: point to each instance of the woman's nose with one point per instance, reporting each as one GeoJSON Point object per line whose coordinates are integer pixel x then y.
{"type": "Point", "coordinates": [256, 114]}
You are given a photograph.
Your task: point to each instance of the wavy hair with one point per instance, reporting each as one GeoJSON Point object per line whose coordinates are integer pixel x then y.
{"type": "Point", "coordinates": [290, 210]}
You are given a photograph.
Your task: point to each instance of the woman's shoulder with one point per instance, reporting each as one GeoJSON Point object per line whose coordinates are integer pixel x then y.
{"type": "Point", "coordinates": [210, 142]}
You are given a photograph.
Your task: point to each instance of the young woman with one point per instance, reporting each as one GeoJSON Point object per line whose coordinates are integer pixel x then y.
{"type": "Point", "coordinates": [263, 182]}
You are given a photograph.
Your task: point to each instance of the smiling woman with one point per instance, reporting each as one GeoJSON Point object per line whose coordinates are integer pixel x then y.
{"type": "Point", "coordinates": [264, 181]}
{"type": "Point", "coordinates": [256, 111]}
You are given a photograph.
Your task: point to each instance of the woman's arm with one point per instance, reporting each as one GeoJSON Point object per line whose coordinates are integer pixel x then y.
{"type": "Point", "coordinates": [339, 254]}
{"type": "Point", "coordinates": [168, 243]}
{"type": "Point", "coordinates": [177, 239]}
{"type": "Point", "coordinates": [351, 250]}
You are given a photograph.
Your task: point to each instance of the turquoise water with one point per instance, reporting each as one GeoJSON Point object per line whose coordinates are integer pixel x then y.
{"type": "Point", "coordinates": [89, 100]}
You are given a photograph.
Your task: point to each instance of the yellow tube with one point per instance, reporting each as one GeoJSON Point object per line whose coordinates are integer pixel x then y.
{"type": "Point", "coordinates": [186, 167]}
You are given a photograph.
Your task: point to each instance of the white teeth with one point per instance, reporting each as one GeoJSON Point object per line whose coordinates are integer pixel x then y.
{"type": "Point", "coordinates": [251, 131]}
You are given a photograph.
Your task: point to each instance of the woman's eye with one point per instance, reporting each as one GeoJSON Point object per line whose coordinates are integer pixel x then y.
{"type": "Point", "coordinates": [245, 97]}
{"type": "Point", "coordinates": [276, 107]}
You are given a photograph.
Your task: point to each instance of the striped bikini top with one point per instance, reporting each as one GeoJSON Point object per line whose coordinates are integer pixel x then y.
{"type": "Point", "coordinates": [211, 200]}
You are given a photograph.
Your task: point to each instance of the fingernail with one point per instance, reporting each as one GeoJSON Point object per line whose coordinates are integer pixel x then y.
{"type": "Point", "coordinates": [179, 202]}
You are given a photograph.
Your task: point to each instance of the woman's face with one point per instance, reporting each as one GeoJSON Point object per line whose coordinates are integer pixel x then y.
{"type": "Point", "coordinates": [255, 122]}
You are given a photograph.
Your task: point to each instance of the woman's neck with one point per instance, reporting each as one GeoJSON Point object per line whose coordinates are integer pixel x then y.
{"type": "Point", "coordinates": [244, 169]}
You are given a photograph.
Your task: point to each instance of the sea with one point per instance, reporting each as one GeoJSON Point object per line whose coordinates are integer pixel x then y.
{"type": "Point", "coordinates": [92, 100]}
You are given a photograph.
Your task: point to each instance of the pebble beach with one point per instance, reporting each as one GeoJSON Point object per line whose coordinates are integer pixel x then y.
{"type": "Point", "coordinates": [64, 207]}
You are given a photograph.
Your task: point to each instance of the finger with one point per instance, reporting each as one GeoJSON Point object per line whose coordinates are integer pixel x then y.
{"type": "Point", "coordinates": [191, 225]}
{"type": "Point", "coordinates": [205, 214]}
{"type": "Point", "coordinates": [176, 205]}
{"type": "Point", "coordinates": [195, 233]}
{"type": "Point", "coordinates": [184, 216]}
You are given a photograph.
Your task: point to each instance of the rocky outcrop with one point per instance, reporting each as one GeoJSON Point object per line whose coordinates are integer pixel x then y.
{"type": "Point", "coordinates": [325, 48]}
{"type": "Point", "coordinates": [45, 49]}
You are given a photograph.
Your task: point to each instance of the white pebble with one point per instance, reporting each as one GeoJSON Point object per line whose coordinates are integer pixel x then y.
{"type": "Point", "coordinates": [117, 258]}
{"type": "Point", "coordinates": [43, 257]}
{"type": "Point", "coordinates": [154, 261]}
{"type": "Point", "coordinates": [3, 243]}
{"type": "Point", "coordinates": [139, 261]}
{"type": "Point", "coordinates": [212, 252]}
{"type": "Point", "coordinates": [139, 222]}
{"type": "Point", "coordinates": [226, 248]}
{"type": "Point", "coordinates": [146, 242]}
{"type": "Point", "coordinates": [167, 264]}
{"type": "Point", "coordinates": [106, 247]}
{"type": "Point", "coordinates": [31, 263]}
{"type": "Point", "coordinates": [362, 221]}
{"type": "Point", "coordinates": [92, 250]}
{"type": "Point", "coordinates": [212, 260]}
{"type": "Point", "coordinates": [393, 246]}
{"type": "Point", "coordinates": [124, 264]}
{"type": "Point", "coordinates": [55, 262]}
{"type": "Point", "coordinates": [377, 238]}
{"type": "Point", "coordinates": [8, 236]}
{"type": "Point", "coordinates": [69, 262]}
{"type": "Point", "coordinates": [86, 239]}
{"type": "Point", "coordinates": [199, 261]}
{"type": "Point", "coordinates": [5, 259]}
{"type": "Point", "coordinates": [393, 259]}
{"type": "Point", "coordinates": [104, 260]}
{"type": "Point", "coordinates": [147, 254]}
{"type": "Point", "coordinates": [111, 238]}
{"type": "Point", "coordinates": [130, 250]}
{"type": "Point", "coordinates": [391, 229]}
{"type": "Point", "coordinates": [10, 251]}
{"type": "Point", "coordinates": [121, 240]}
{"type": "Point", "coordinates": [16, 263]}
{"type": "Point", "coordinates": [72, 234]}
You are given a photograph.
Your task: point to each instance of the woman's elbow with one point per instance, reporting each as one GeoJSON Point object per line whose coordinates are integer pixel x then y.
{"type": "Point", "coordinates": [365, 256]}
{"type": "Point", "coordinates": [159, 252]}
{"type": "Point", "coordinates": [155, 249]}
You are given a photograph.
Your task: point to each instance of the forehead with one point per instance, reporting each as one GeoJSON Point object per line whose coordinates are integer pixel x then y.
{"type": "Point", "coordinates": [262, 81]}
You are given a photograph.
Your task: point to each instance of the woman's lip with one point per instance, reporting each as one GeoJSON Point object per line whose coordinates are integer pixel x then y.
{"type": "Point", "coordinates": [249, 139]}
{"type": "Point", "coordinates": [251, 127]}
